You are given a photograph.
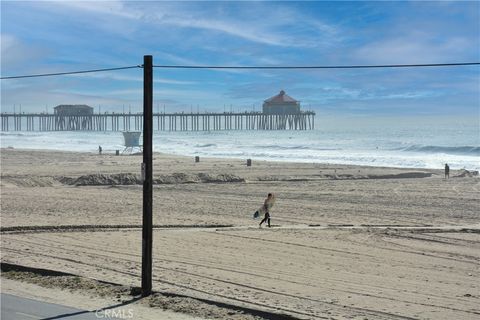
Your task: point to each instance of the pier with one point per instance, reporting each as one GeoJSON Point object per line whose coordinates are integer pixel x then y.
{"type": "Point", "coordinates": [303, 120]}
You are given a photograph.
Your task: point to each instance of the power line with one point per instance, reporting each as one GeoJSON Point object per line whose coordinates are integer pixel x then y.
{"type": "Point", "coordinates": [249, 67]}
{"type": "Point", "coordinates": [322, 67]}
{"type": "Point", "coordinates": [67, 73]}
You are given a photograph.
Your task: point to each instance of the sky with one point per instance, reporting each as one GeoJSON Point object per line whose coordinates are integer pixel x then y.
{"type": "Point", "coordinates": [48, 36]}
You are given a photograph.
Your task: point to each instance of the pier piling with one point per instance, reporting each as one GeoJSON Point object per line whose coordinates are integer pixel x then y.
{"type": "Point", "coordinates": [304, 120]}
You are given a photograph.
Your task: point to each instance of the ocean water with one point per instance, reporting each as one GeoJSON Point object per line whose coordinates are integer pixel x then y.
{"type": "Point", "coordinates": [396, 144]}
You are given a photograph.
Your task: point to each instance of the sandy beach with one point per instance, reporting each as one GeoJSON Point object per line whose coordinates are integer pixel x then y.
{"type": "Point", "coordinates": [346, 242]}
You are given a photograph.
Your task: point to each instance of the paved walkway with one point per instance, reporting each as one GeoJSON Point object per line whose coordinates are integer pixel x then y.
{"type": "Point", "coordinates": [18, 308]}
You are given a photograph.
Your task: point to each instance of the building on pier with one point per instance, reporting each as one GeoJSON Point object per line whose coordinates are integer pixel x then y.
{"type": "Point", "coordinates": [73, 117]}
{"type": "Point", "coordinates": [73, 110]}
{"type": "Point", "coordinates": [281, 104]}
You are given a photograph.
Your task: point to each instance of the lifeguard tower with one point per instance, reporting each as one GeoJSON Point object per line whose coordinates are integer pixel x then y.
{"type": "Point", "coordinates": [132, 142]}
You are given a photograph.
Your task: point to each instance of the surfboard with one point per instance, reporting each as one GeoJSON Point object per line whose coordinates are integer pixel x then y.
{"type": "Point", "coordinates": [261, 211]}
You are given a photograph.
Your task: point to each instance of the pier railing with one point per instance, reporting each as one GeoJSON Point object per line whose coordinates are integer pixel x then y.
{"type": "Point", "coordinates": [304, 120]}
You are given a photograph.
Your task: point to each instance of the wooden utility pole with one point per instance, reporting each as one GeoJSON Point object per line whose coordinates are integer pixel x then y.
{"type": "Point", "coordinates": [147, 229]}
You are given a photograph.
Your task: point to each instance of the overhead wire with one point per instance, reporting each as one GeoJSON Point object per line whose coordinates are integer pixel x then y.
{"type": "Point", "coordinates": [456, 64]}
{"type": "Point", "coordinates": [321, 67]}
{"type": "Point", "coordinates": [69, 72]}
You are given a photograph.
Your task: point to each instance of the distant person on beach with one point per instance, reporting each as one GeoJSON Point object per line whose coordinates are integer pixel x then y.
{"type": "Point", "coordinates": [447, 171]}
{"type": "Point", "coordinates": [99, 149]}
{"type": "Point", "coordinates": [267, 205]}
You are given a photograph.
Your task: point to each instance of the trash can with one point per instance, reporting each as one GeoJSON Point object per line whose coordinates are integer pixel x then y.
{"type": "Point", "coordinates": [117, 152]}
{"type": "Point", "coordinates": [249, 162]}
{"type": "Point", "coordinates": [197, 159]}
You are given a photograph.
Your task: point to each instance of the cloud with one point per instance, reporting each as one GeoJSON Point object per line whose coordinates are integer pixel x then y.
{"type": "Point", "coordinates": [261, 24]}
{"type": "Point", "coordinates": [118, 77]}
{"type": "Point", "coordinates": [15, 54]}
{"type": "Point", "coordinates": [162, 56]}
{"type": "Point", "coordinates": [414, 49]}
{"type": "Point", "coordinates": [231, 28]}
{"type": "Point", "coordinates": [110, 7]}
{"type": "Point", "coordinates": [274, 26]}
{"type": "Point", "coordinates": [175, 17]}
{"type": "Point", "coordinates": [420, 32]}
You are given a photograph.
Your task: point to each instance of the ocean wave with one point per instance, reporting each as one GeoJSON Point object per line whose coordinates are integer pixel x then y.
{"type": "Point", "coordinates": [462, 150]}
{"type": "Point", "coordinates": [205, 145]}
{"type": "Point", "coordinates": [8, 134]}
{"type": "Point", "coordinates": [278, 147]}
{"type": "Point", "coordinates": [299, 147]}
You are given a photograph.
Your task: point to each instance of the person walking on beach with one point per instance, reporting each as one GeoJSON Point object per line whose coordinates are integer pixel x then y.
{"type": "Point", "coordinates": [267, 205]}
{"type": "Point", "coordinates": [99, 149]}
{"type": "Point", "coordinates": [447, 171]}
